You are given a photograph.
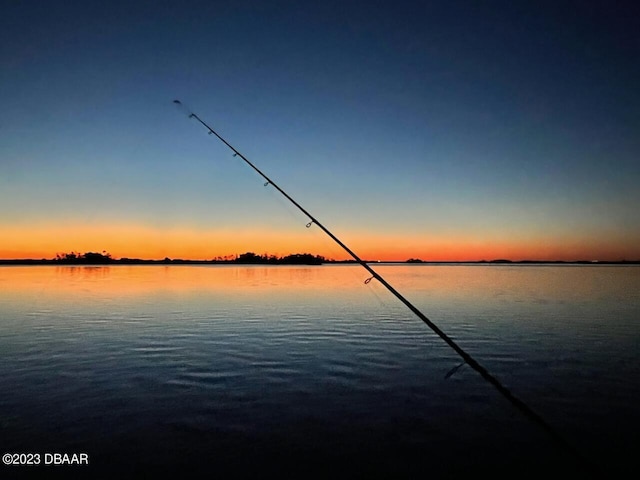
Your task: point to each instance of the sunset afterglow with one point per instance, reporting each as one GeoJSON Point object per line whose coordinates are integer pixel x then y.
{"type": "Point", "coordinates": [410, 130]}
{"type": "Point", "coordinates": [148, 243]}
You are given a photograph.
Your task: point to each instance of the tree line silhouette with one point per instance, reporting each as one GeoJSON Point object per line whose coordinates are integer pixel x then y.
{"type": "Point", "coordinates": [251, 258]}
{"type": "Point", "coordinates": [88, 257]}
{"type": "Point", "coordinates": [94, 258]}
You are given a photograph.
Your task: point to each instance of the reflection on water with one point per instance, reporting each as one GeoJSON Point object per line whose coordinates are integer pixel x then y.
{"type": "Point", "coordinates": [222, 368]}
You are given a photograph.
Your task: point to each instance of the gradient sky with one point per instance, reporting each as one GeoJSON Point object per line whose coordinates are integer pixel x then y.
{"type": "Point", "coordinates": [439, 130]}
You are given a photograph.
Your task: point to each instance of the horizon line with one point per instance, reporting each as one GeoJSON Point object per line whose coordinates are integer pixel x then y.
{"type": "Point", "coordinates": [305, 258]}
{"type": "Point", "coordinates": [74, 257]}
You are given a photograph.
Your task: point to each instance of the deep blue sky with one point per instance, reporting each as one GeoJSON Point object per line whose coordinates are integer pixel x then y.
{"type": "Point", "coordinates": [434, 129]}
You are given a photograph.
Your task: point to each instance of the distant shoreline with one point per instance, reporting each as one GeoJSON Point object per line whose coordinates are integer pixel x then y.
{"type": "Point", "coordinates": [251, 258]}
{"type": "Point", "coordinates": [128, 261]}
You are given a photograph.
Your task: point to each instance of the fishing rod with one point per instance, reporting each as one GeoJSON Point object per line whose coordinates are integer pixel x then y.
{"type": "Point", "coordinates": [467, 358]}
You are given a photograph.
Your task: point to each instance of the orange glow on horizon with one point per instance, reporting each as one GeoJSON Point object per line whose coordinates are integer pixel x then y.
{"type": "Point", "coordinates": [45, 241]}
{"type": "Point", "coordinates": [144, 242]}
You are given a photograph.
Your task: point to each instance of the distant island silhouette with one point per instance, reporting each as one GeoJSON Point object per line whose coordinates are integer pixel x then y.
{"type": "Point", "coordinates": [104, 258]}
{"type": "Point", "coordinates": [251, 258]}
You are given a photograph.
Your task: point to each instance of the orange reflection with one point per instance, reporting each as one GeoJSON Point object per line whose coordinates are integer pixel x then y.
{"type": "Point", "coordinates": [124, 281]}
{"type": "Point", "coordinates": [296, 285]}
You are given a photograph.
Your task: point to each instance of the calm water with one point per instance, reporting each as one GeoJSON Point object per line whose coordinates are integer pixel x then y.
{"type": "Point", "coordinates": [300, 370]}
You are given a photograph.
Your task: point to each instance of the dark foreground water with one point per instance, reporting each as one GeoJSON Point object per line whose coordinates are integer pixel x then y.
{"type": "Point", "coordinates": [301, 372]}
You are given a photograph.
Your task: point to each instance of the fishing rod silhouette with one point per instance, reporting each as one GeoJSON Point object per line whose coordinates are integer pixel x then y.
{"type": "Point", "coordinates": [467, 359]}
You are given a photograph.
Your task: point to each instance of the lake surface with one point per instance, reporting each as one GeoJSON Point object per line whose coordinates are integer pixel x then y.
{"type": "Point", "coordinates": [298, 371]}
